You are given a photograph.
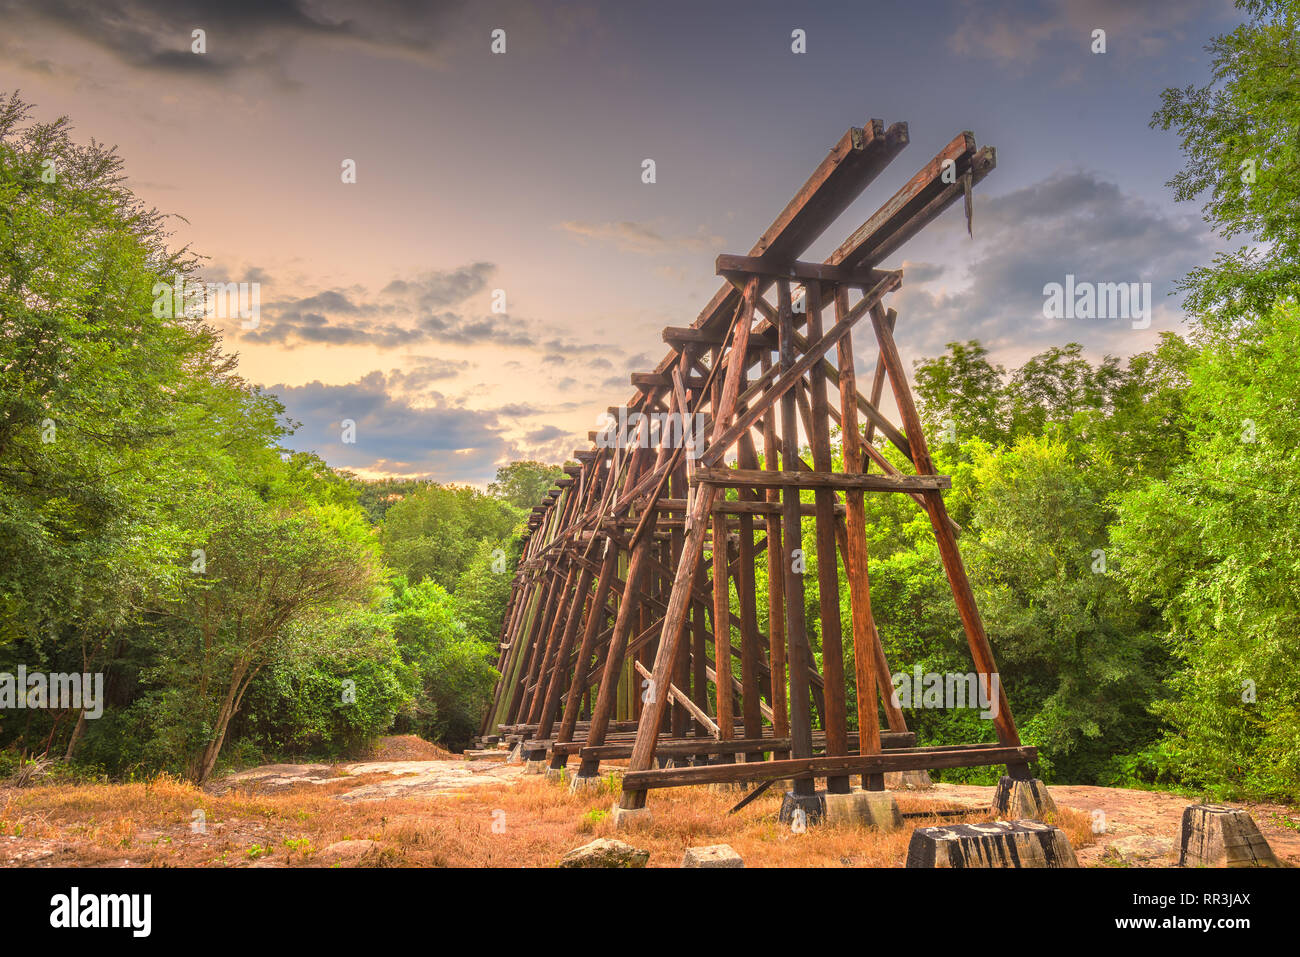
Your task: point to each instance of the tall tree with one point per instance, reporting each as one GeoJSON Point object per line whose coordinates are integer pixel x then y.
{"type": "Point", "coordinates": [1242, 153]}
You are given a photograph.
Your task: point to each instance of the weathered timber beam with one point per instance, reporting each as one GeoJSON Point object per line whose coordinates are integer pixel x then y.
{"type": "Point", "coordinates": [894, 760]}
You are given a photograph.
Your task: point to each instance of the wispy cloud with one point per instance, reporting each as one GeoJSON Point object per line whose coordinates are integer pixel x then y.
{"type": "Point", "coordinates": [644, 238]}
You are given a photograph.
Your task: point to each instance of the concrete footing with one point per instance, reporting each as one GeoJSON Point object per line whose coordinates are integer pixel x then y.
{"type": "Point", "coordinates": [557, 774]}
{"type": "Point", "coordinates": [587, 782]}
{"type": "Point", "coordinates": [1215, 835]}
{"type": "Point", "coordinates": [516, 755]}
{"type": "Point", "coordinates": [1017, 799]}
{"type": "Point", "coordinates": [908, 780]}
{"type": "Point", "coordinates": [535, 767]}
{"type": "Point", "coordinates": [995, 844]}
{"type": "Point", "coordinates": [626, 819]}
{"type": "Point", "coordinates": [876, 809]}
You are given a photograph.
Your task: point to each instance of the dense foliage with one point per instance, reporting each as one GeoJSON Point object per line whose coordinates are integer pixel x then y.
{"type": "Point", "coordinates": [235, 596]}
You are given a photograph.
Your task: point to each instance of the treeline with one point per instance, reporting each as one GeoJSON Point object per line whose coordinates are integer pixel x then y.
{"type": "Point", "coordinates": [240, 600]}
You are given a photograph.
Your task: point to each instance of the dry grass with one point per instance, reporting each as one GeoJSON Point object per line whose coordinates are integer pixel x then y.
{"type": "Point", "coordinates": [527, 822]}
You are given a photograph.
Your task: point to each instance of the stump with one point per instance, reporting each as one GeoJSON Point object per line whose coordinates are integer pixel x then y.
{"type": "Point", "coordinates": [1215, 835]}
{"type": "Point", "coordinates": [997, 844]}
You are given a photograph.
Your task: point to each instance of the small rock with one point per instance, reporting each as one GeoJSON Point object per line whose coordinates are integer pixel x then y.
{"type": "Point", "coordinates": [603, 852]}
{"type": "Point", "coordinates": [715, 855]}
{"type": "Point", "coordinates": [1142, 849]}
{"type": "Point", "coordinates": [349, 849]}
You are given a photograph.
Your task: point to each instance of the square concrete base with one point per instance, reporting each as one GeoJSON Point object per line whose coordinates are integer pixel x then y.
{"type": "Point", "coordinates": [802, 809]}
{"type": "Point", "coordinates": [869, 808]}
{"type": "Point", "coordinates": [908, 780]}
{"type": "Point", "coordinates": [876, 809]}
{"type": "Point", "coordinates": [1015, 799]}
{"type": "Point", "coordinates": [1215, 835]}
{"type": "Point", "coordinates": [626, 819]}
{"type": "Point", "coordinates": [535, 767]}
{"type": "Point", "coordinates": [585, 783]}
{"type": "Point", "coordinates": [557, 774]}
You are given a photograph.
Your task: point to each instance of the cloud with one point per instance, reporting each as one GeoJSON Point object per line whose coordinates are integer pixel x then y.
{"type": "Point", "coordinates": [427, 371]}
{"type": "Point", "coordinates": [1070, 223]}
{"type": "Point", "coordinates": [442, 440]}
{"type": "Point", "coordinates": [241, 34]}
{"type": "Point", "coordinates": [634, 237]}
{"type": "Point", "coordinates": [434, 290]}
{"type": "Point", "coordinates": [406, 312]}
{"type": "Point", "coordinates": [1014, 33]}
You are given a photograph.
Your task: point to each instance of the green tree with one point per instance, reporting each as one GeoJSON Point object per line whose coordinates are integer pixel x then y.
{"type": "Point", "coordinates": [455, 669]}
{"type": "Point", "coordinates": [1079, 657]}
{"type": "Point", "coordinates": [434, 533]}
{"type": "Point", "coordinates": [523, 484]}
{"type": "Point", "coordinates": [1217, 546]}
{"type": "Point", "coordinates": [1239, 140]}
{"type": "Point", "coordinates": [264, 570]}
{"type": "Point", "coordinates": [963, 387]}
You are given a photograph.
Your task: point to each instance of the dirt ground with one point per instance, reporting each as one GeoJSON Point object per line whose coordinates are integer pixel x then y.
{"type": "Point", "coordinates": [409, 809]}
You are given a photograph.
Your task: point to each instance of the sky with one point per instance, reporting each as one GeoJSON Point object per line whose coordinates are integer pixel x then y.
{"type": "Point", "coordinates": [483, 289]}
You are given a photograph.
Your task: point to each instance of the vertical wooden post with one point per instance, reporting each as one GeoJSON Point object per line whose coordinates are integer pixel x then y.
{"type": "Point", "coordinates": [800, 653]}
{"type": "Point", "coordinates": [864, 637]}
{"type": "Point", "coordinates": [692, 554]}
{"type": "Point", "coordinates": [775, 583]}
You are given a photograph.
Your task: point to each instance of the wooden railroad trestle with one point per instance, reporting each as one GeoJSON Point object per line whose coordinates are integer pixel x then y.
{"type": "Point", "coordinates": [628, 566]}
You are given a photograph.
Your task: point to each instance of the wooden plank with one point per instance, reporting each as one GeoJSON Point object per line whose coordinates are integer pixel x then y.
{"type": "Point", "coordinates": [806, 769]}
{"type": "Point", "coordinates": [684, 700]}
{"type": "Point", "coordinates": [762, 478]}
{"type": "Point", "coordinates": [798, 271]}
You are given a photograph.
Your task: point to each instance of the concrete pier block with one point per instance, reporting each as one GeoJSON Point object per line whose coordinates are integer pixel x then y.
{"type": "Point", "coordinates": [908, 780]}
{"type": "Point", "coordinates": [557, 774]}
{"type": "Point", "coordinates": [996, 844]}
{"type": "Point", "coordinates": [876, 809]}
{"type": "Point", "coordinates": [587, 782]}
{"type": "Point", "coordinates": [1017, 799]}
{"type": "Point", "coordinates": [802, 809]}
{"type": "Point", "coordinates": [535, 767]}
{"type": "Point", "coordinates": [626, 819]}
{"type": "Point", "coordinates": [867, 808]}
{"type": "Point", "coordinates": [1215, 835]}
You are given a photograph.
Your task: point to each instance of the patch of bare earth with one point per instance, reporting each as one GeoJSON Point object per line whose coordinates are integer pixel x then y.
{"type": "Point", "coordinates": [488, 814]}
